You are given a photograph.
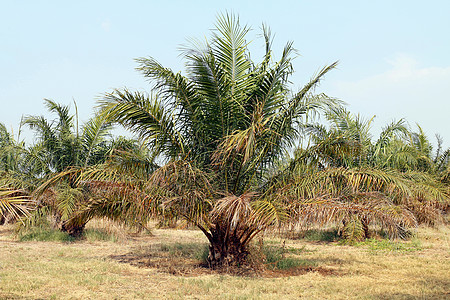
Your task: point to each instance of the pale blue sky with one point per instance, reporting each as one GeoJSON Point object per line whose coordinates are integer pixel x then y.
{"type": "Point", "coordinates": [394, 55]}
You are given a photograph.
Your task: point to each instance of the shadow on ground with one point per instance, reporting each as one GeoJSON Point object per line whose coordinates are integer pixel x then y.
{"type": "Point", "coordinates": [190, 260]}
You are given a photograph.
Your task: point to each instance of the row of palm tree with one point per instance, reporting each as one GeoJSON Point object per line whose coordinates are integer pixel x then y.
{"type": "Point", "coordinates": [232, 150]}
{"type": "Point", "coordinates": [361, 182]}
{"type": "Point", "coordinates": [59, 144]}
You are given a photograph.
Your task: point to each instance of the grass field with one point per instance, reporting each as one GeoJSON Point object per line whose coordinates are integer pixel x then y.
{"type": "Point", "coordinates": [166, 265]}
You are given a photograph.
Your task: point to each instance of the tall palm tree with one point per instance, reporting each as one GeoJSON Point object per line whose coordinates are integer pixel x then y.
{"type": "Point", "coordinates": [220, 130]}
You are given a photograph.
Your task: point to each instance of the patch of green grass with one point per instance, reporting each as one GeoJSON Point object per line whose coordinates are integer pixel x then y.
{"type": "Point", "coordinates": [187, 250]}
{"type": "Point", "coordinates": [284, 258]}
{"type": "Point", "coordinates": [92, 235]}
{"type": "Point", "coordinates": [320, 235]}
{"type": "Point", "coordinates": [48, 234]}
{"type": "Point", "coordinates": [43, 234]}
{"type": "Point", "coordinates": [385, 245]}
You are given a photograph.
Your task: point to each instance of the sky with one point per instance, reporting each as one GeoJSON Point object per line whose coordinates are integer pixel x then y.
{"type": "Point", "coordinates": [394, 56]}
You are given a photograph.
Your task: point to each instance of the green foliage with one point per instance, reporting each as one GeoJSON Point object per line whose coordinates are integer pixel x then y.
{"type": "Point", "coordinates": [60, 144]}
{"type": "Point", "coordinates": [318, 235]}
{"type": "Point", "coordinates": [48, 234]}
{"type": "Point", "coordinates": [42, 231]}
{"type": "Point", "coordinates": [342, 177]}
{"type": "Point", "coordinates": [384, 245]}
{"type": "Point", "coordinates": [353, 230]}
{"type": "Point", "coordinates": [187, 250]}
{"type": "Point", "coordinates": [44, 234]}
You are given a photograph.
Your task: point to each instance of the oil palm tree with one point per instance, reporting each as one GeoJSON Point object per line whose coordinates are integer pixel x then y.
{"type": "Point", "coordinates": [14, 187]}
{"type": "Point", "coordinates": [219, 131]}
{"type": "Point", "coordinates": [361, 182]}
{"type": "Point", "coordinates": [60, 145]}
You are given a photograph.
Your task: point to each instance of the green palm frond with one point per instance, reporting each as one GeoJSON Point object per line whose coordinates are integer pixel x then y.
{"type": "Point", "coordinates": [67, 200]}
{"type": "Point", "coordinates": [353, 230]}
{"type": "Point", "coordinates": [94, 132]}
{"type": "Point", "coordinates": [230, 49]}
{"type": "Point", "coordinates": [178, 94]}
{"type": "Point", "coordinates": [271, 211]}
{"type": "Point", "coordinates": [43, 128]}
{"type": "Point", "coordinates": [394, 129]}
{"type": "Point", "coordinates": [138, 164]}
{"type": "Point", "coordinates": [298, 106]}
{"type": "Point", "coordinates": [146, 117]}
{"type": "Point", "coordinates": [65, 120]}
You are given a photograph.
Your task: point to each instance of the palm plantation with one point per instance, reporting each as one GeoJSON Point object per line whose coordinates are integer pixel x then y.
{"type": "Point", "coordinates": [59, 144]}
{"type": "Point", "coordinates": [360, 182]}
{"type": "Point", "coordinates": [232, 150]}
{"type": "Point", "coordinates": [224, 132]}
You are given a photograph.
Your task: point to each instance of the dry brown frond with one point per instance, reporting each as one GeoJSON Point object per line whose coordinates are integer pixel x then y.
{"type": "Point", "coordinates": [15, 202]}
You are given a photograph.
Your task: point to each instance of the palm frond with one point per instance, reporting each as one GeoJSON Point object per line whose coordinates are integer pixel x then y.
{"type": "Point", "coordinates": [15, 202]}
{"type": "Point", "coordinates": [94, 132]}
{"type": "Point", "coordinates": [146, 117]}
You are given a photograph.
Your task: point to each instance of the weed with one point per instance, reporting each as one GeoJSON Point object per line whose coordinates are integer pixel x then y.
{"type": "Point", "coordinates": [44, 234]}
{"type": "Point", "coordinates": [47, 234]}
{"type": "Point", "coordinates": [98, 235]}
{"type": "Point", "coordinates": [187, 250]}
{"type": "Point", "coordinates": [281, 257]}
{"type": "Point", "coordinates": [320, 235]}
{"type": "Point", "coordinates": [385, 245]}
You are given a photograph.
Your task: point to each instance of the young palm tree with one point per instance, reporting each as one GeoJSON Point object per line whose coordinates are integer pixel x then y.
{"type": "Point", "coordinates": [361, 182]}
{"type": "Point", "coordinates": [220, 130]}
{"type": "Point", "coordinates": [14, 184]}
{"type": "Point", "coordinates": [60, 145]}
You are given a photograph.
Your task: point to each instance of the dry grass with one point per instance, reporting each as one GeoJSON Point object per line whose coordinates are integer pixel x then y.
{"type": "Point", "coordinates": [154, 267]}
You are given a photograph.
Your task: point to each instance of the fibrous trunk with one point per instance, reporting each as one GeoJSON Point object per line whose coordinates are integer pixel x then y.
{"type": "Point", "coordinates": [365, 226]}
{"type": "Point", "coordinates": [226, 249]}
{"type": "Point", "coordinates": [74, 230]}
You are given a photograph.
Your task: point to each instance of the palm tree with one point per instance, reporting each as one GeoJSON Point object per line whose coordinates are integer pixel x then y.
{"type": "Point", "coordinates": [60, 145]}
{"type": "Point", "coordinates": [361, 182]}
{"type": "Point", "coordinates": [219, 131]}
{"type": "Point", "coordinates": [11, 151]}
{"type": "Point", "coordinates": [15, 187]}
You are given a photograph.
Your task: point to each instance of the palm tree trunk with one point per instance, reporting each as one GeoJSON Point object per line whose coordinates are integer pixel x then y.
{"type": "Point", "coordinates": [73, 229]}
{"type": "Point", "coordinates": [365, 225]}
{"type": "Point", "coordinates": [226, 249]}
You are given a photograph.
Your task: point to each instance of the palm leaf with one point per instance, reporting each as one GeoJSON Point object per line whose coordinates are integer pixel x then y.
{"type": "Point", "coordinates": [14, 202]}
